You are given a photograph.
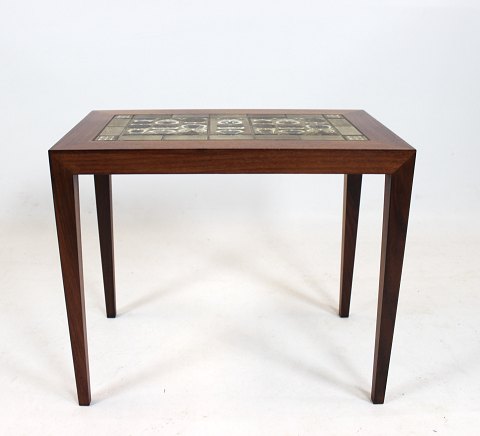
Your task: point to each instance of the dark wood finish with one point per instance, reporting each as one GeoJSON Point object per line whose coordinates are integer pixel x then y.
{"type": "Point", "coordinates": [398, 190]}
{"type": "Point", "coordinates": [103, 195]}
{"type": "Point", "coordinates": [255, 160]}
{"type": "Point", "coordinates": [351, 204]}
{"type": "Point", "coordinates": [384, 153]}
{"type": "Point", "coordinates": [81, 137]}
{"type": "Point", "coordinates": [67, 214]}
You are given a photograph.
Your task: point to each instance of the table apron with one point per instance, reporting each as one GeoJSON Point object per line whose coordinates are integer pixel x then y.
{"type": "Point", "coordinates": [231, 161]}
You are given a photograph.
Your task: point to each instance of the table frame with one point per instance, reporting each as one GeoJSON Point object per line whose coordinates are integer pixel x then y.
{"type": "Point", "coordinates": [385, 153]}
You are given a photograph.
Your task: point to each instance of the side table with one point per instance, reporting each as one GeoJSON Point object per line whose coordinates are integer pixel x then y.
{"type": "Point", "coordinates": [348, 142]}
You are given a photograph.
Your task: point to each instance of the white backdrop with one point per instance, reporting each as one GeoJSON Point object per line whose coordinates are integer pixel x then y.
{"type": "Point", "coordinates": [414, 65]}
{"type": "Point", "coordinates": [236, 277]}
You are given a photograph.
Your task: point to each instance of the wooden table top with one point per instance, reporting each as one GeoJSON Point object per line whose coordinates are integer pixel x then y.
{"type": "Point", "coordinates": [230, 129]}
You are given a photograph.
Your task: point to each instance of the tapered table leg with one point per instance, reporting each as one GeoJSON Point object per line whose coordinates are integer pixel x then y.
{"type": "Point", "coordinates": [398, 190]}
{"type": "Point", "coordinates": [351, 204]}
{"type": "Point", "coordinates": [103, 194]}
{"type": "Point", "coordinates": [67, 214]}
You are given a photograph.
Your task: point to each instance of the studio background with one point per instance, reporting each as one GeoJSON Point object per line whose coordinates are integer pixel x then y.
{"type": "Point", "coordinates": [201, 257]}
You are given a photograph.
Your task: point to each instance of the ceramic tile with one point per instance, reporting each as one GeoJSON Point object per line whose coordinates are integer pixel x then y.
{"type": "Point", "coordinates": [106, 138]}
{"type": "Point", "coordinates": [223, 137]}
{"type": "Point", "coordinates": [306, 116]}
{"type": "Point", "coordinates": [323, 138]}
{"type": "Point", "coordinates": [118, 122]}
{"type": "Point", "coordinates": [152, 127]}
{"type": "Point", "coordinates": [112, 130]}
{"type": "Point", "coordinates": [152, 116]}
{"type": "Point", "coordinates": [140, 138]}
{"type": "Point", "coordinates": [229, 125]}
{"type": "Point", "coordinates": [356, 138]}
{"type": "Point", "coordinates": [182, 116]}
{"type": "Point", "coordinates": [276, 136]}
{"type": "Point", "coordinates": [184, 137]}
{"type": "Point", "coordinates": [267, 115]}
{"type": "Point", "coordinates": [344, 127]}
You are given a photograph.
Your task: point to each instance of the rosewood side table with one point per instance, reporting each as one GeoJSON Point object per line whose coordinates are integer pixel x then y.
{"type": "Point", "coordinates": [348, 142]}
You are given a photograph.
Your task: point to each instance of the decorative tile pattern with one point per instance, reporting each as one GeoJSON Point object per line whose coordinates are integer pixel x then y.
{"type": "Point", "coordinates": [330, 127]}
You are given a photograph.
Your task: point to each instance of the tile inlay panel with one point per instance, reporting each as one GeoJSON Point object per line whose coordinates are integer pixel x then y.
{"type": "Point", "coordinates": [320, 127]}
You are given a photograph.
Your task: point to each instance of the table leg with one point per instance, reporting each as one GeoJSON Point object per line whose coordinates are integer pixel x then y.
{"type": "Point", "coordinates": [398, 189]}
{"type": "Point", "coordinates": [103, 195]}
{"type": "Point", "coordinates": [67, 214]}
{"type": "Point", "coordinates": [351, 203]}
